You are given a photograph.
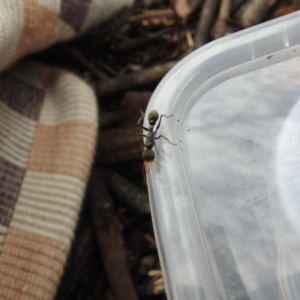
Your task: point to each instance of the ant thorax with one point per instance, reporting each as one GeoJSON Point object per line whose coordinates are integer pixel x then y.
{"type": "Point", "coordinates": [150, 140]}
{"type": "Point", "coordinates": [151, 128]}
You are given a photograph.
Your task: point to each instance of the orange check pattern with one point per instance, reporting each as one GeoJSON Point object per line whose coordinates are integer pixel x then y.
{"type": "Point", "coordinates": [47, 142]}
{"type": "Point", "coordinates": [48, 131]}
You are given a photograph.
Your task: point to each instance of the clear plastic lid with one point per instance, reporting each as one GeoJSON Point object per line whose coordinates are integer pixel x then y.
{"type": "Point", "coordinates": [225, 200]}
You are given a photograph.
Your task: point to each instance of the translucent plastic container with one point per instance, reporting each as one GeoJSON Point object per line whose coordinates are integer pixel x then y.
{"type": "Point", "coordinates": [226, 199]}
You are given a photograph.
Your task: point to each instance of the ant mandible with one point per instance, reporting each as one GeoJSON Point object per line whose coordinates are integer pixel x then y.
{"type": "Point", "coordinates": [148, 153]}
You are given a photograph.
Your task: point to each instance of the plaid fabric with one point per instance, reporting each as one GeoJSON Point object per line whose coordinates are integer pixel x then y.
{"type": "Point", "coordinates": [48, 127]}
{"type": "Point", "coordinates": [27, 26]}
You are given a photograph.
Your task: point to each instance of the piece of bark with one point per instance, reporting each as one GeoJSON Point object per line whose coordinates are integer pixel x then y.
{"type": "Point", "coordinates": [109, 238]}
{"type": "Point", "coordinates": [146, 287]}
{"type": "Point", "coordinates": [97, 288]}
{"type": "Point", "coordinates": [282, 11]}
{"type": "Point", "coordinates": [235, 6]}
{"type": "Point", "coordinates": [221, 27]}
{"type": "Point", "coordinates": [120, 84]}
{"type": "Point", "coordinates": [148, 3]}
{"type": "Point", "coordinates": [253, 12]}
{"type": "Point", "coordinates": [206, 21]}
{"type": "Point", "coordinates": [147, 263]}
{"type": "Point", "coordinates": [119, 145]}
{"type": "Point", "coordinates": [109, 295]}
{"type": "Point", "coordinates": [127, 193]}
{"type": "Point", "coordinates": [83, 251]}
{"type": "Point", "coordinates": [125, 115]}
{"type": "Point", "coordinates": [85, 248]}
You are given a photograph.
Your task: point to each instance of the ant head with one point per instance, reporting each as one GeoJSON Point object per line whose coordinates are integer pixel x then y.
{"type": "Point", "coordinates": [153, 117]}
{"type": "Point", "coordinates": [148, 155]}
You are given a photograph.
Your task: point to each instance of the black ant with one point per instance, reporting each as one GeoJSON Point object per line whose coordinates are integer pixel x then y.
{"type": "Point", "coordinates": [148, 154]}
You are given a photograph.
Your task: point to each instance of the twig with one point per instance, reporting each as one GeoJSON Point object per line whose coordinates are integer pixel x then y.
{"type": "Point", "coordinates": [148, 14]}
{"type": "Point", "coordinates": [138, 43]}
{"type": "Point", "coordinates": [119, 145]}
{"type": "Point", "coordinates": [189, 39]}
{"type": "Point", "coordinates": [237, 23]}
{"type": "Point", "coordinates": [221, 28]}
{"type": "Point", "coordinates": [253, 12]}
{"type": "Point", "coordinates": [109, 238]}
{"type": "Point", "coordinates": [158, 283]}
{"type": "Point", "coordinates": [205, 22]}
{"type": "Point", "coordinates": [131, 81]}
{"type": "Point", "coordinates": [85, 63]}
{"type": "Point", "coordinates": [195, 4]}
{"type": "Point", "coordinates": [127, 193]}
{"type": "Point", "coordinates": [151, 241]}
{"type": "Point", "coordinates": [185, 8]}
{"type": "Point", "coordinates": [106, 67]}
{"type": "Point", "coordinates": [153, 273]}
{"type": "Point", "coordinates": [131, 44]}
{"type": "Point", "coordinates": [159, 286]}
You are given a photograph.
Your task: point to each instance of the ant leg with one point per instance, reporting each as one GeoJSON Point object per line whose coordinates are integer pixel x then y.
{"type": "Point", "coordinates": [142, 114]}
{"type": "Point", "coordinates": [149, 164]}
{"type": "Point", "coordinates": [158, 163]}
{"type": "Point", "coordinates": [145, 128]}
{"type": "Point", "coordinates": [155, 147]}
{"type": "Point", "coordinates": [141, 134]}
{"type": "Point", "coordinates": [144, 174]}
{"type": "Point", "coordinates": [158, 125]}
{"type": "Point", "coordinates": [140, 120]}
{"type": "Point", "coordinates": [165, 139]}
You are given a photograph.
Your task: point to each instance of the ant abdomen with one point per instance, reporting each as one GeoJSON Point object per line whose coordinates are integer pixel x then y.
{"type": "Point", "coordinates": [148, 155]}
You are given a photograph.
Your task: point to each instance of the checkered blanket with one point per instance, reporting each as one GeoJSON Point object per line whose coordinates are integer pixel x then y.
{"type": "Point", "coordinates": [48, 128]}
